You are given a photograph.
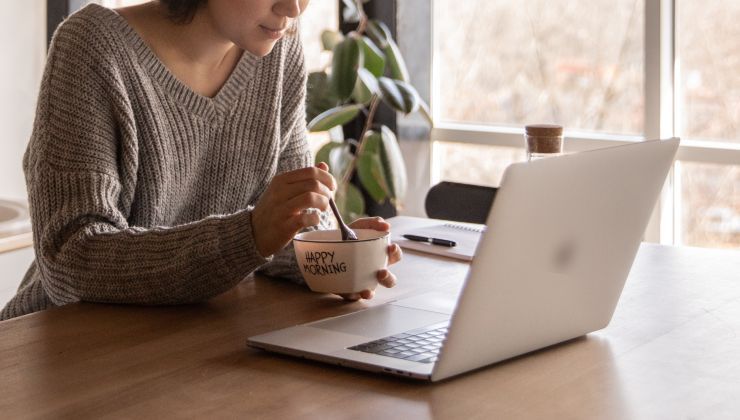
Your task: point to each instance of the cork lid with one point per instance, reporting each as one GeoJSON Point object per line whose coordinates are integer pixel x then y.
{"type": "Point", "coordinates": [544, 130]}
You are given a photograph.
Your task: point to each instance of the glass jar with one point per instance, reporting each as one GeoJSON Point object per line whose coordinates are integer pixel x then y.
{"type": "Point", "coordinates": [543, 140]}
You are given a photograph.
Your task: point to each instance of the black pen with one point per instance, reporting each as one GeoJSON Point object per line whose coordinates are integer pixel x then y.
{"type": "Point", "coordinates": [435, 241]}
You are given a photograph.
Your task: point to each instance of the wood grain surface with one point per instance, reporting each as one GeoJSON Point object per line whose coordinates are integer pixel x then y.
{"type": "Point", "coordinates": [671, 351]}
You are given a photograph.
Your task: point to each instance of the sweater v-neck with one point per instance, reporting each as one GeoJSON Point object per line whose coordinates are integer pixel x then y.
{"type": "Point", "coordinates": [210, 108]}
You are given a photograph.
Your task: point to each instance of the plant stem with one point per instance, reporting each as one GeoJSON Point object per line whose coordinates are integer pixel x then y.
{"type": "Point", "coordinates": [363, 17]}
{"type": "Point", "coordinates": [374, 102]}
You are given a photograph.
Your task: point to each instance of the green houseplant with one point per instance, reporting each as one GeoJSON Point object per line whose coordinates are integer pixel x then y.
{"type": "Point", "coordinates": [367, 70]}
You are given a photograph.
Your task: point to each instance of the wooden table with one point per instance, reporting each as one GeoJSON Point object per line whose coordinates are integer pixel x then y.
{"type": "Point", "coordinates": [671, 351]}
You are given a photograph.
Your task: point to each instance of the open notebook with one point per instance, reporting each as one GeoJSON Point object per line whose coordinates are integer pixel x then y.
{"type": "Point", "coordinates": [466, 235]}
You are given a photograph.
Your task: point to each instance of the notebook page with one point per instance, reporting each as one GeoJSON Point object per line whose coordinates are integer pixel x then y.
{"type": "Point", "coordinates": [465, 235]}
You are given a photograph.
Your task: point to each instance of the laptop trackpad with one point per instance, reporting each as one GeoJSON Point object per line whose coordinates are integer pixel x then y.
{"type": "Point", "coordinates": [381, 321]}
{"type": "Point", "coordinates": [443, 302]}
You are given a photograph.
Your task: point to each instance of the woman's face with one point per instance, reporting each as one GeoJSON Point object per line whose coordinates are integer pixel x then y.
{"type": "Point", "coordinates": [254, 25]}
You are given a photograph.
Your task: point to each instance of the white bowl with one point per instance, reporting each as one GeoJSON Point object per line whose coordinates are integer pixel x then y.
{"type": "Point", "coordinates": [330, 265]}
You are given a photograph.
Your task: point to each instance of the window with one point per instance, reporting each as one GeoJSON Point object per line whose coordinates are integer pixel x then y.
{"type": "Point", "coordinates": [513, 62]}
{"type": "Point", "coordinates": [708, 111]}
{"type": "Point", "coordinates": [610, 71]}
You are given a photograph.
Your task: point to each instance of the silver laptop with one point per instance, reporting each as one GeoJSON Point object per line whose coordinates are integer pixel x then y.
{"type": "Point", "coordinates": [560, 240]}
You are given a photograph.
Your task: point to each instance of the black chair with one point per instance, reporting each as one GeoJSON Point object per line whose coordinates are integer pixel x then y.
{"type": "Point", "coordinates": [459, 202]}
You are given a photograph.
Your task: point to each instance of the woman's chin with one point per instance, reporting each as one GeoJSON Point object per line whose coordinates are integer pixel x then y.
{"type": "Point", "coordinates": [261, 49]}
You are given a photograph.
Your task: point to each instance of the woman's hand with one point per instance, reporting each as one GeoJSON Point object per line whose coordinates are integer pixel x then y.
{"type": "Point", "coordinates": [385, 277]}
{"type": "Point", "coordinates": [280, 213]}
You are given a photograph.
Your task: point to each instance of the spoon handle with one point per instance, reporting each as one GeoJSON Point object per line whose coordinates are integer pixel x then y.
{"type": "Point", "coordinates": [347, 233]}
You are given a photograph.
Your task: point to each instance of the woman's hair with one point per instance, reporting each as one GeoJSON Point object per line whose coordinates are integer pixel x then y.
{"type": "Point", "coordinates": [182, 11]}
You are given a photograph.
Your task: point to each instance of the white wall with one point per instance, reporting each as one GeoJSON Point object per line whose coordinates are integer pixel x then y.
{"type": "Point", "coordinates": [23, 50]}
{"type": "Point", "coordinates": [13, 266]}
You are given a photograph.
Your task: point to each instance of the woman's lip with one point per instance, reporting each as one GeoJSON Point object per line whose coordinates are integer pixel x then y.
{"type": "Point", "coordinates": [272, 33]}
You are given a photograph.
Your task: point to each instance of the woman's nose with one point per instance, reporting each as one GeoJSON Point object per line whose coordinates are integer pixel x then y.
{"type": "Point", "coordinates": [289, 8]}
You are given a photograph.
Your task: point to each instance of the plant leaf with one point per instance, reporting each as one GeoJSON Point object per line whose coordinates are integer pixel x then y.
{"type": "Point", "coordinates": [396, 62]}
{"type": "Point", "coordinates": [346, 61]}
{"type": "Point", "coordinates": [370, 169]}
{"type": "Point", "coordinates": [366, 87]}
{"type": "Point", "coordinates": [411, 98]}
{"type": "Point", "coordinates": [323, 154]}
{"type": "Point", "coordinates": [395, 168]}
{"type": "Point", "coordinates": [374, 59]}
{"type": "Point", "coordinates": [329, 39]}
{"type": "Point", "coordinates": [350, 202]}
{"type": "Point", "coordinates": [361, 94]}
{"type": "Point", "coordinates": [318, 95]}
{"type": "Point", "coordinates": [390, 93]}
{"type": "Point", "coordinates": [335, 116]}
{"type": "Point", "coordinates": [385, 144]}
{"type": "Point", "coordinates": [369, 80]}
{"type": "Point", "coordinates": [378, 32]}
{"type": "Point", "coordinates": [399, 95]}
{"type": "Point", "coordinates": [339, 160]}
{"type": "Point", "coordinates": [337, 155]}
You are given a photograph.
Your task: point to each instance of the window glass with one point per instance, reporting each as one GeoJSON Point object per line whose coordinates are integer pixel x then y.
{"type": "Point", "coordinates": [708, 109]}
{"type": "Point", "coordinates": [577, 63]}
{"type": "Point", "coordinates": [474, 163]}
{"type": "Point", "coordinates": [708, 82]}
{"type": "Point", "coordinates": [318, 16]}
{"type": "Point", "coordinates": [710, 205]}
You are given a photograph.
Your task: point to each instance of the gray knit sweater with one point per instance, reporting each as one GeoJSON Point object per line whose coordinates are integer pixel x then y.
{"type": "Point", "coordinates": [140, 189]}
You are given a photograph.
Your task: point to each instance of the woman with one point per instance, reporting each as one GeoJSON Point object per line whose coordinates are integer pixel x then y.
{"type": "Point", "coordinates": [168, 158]}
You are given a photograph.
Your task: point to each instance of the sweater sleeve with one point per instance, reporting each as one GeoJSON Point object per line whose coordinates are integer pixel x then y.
{"type": "Point", "coordinates": [295, 153]}
{"type": "Point", "coordinates": [85, 248]}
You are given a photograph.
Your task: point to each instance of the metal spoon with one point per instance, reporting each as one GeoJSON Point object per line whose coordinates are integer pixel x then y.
{"type": "Point", "coordinates": [347, 233]}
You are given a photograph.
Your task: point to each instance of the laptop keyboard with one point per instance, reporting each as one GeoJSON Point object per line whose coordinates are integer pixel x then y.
{"type": "Point", "coordinates": [419, 345]}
